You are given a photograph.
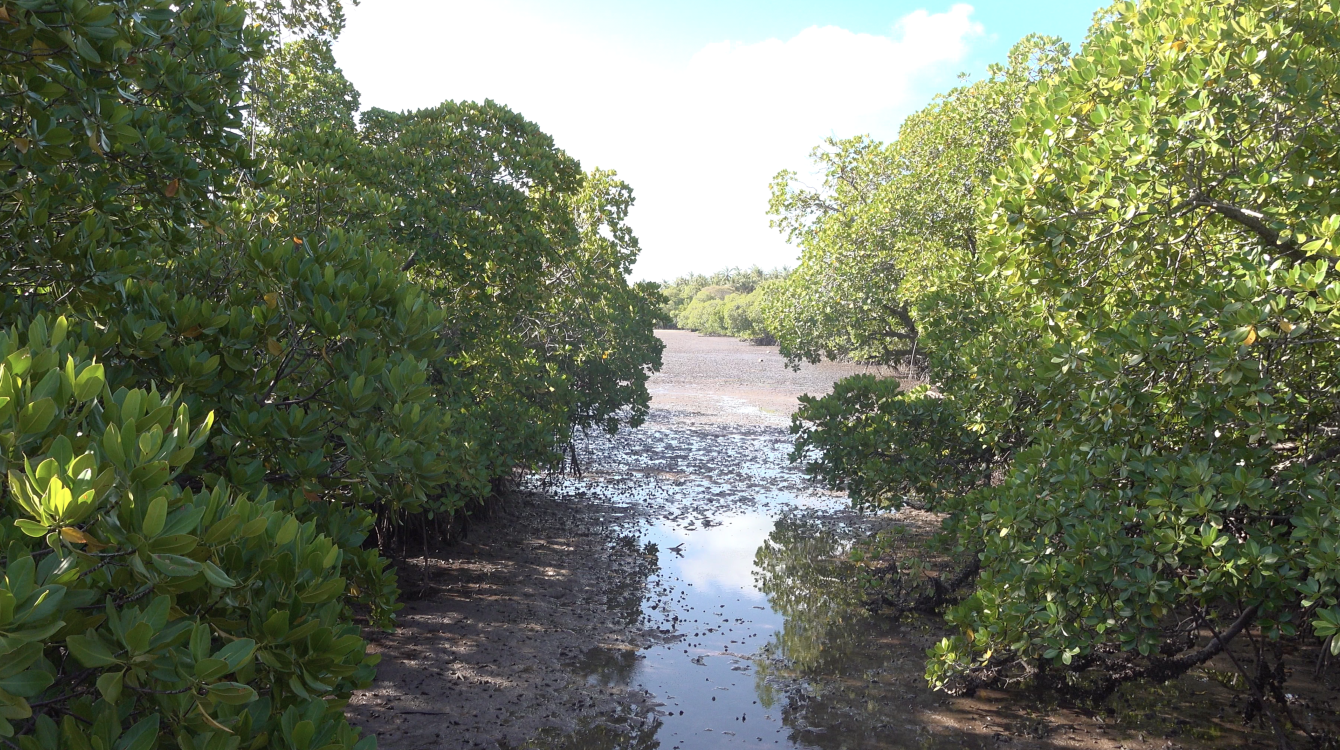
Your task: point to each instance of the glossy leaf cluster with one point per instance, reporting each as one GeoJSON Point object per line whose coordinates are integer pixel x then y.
{"type": "Point", "coordinates": [1132, 344]}
{"type": "Point", "coordinates": [242, 352]}
{"type": "Point", "coordinates": [136, 610]}
{"type": "Point", "coordinates": [1164, 225]}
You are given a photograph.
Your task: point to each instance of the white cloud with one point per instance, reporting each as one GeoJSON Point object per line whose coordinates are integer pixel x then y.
{"type": "Point", "coordinates": [697, 138]}
{"type": "Point", "coordinates": [720, 559]}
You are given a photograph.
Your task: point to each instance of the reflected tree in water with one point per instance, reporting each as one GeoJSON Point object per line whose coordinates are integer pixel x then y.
{"type": "Point", "coordinates": [805, 570]}
{"type": "Point", "coordinates": [637, 735]}
{"type": "Point", "coordinates": [820, 668]}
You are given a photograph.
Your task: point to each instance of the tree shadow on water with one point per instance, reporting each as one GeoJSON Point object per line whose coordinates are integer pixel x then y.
{"type": "Point", "coordinates": [605, 735]}
{"type": "Point", "coordinates": [846, 678]}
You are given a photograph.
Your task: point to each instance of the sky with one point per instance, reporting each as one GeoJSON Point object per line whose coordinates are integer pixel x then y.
{"type": "Point", "coordinates": [696, 104]}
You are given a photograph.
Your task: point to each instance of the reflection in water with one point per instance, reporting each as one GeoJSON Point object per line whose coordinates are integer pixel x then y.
{"type": "Point", "coordinates": [843, 679]}
{"type": "Point", "coordinates": [607, 667]}
{"type": "Point", "coordinates": [719, 559]}
{"type": "Point", "coordinates": [827, 673]}
{"type": "Point", "coordinates": [804, 570]}
{"type": "Point", "coordinates": [627, 594]}
{"type": "Point", "coordinates": [622, 733]}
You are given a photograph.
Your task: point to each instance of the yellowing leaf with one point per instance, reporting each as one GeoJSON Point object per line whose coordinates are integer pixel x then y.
{"type": "Point", "coordinates": [171, 189]}
{"type": "Point", "coordinates": [1251, 337]}
{"type": "Point", "coordinates": [75, 536]}
{"type": "Point", "coordinates": [297, 240]}
{"type": "Point", "coordinates": [1286, 326]}
{"type": "Point", "coordinates": [272, 300]}
{"type": "Point", "coordinates": [273, 347]}
{"type": "Point", "coordinates": [210, 720]}
{"type": "Point", "coordinates": [22, 144]}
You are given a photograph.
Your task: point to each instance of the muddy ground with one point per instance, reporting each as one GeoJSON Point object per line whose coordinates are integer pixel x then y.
{"type": "Point", "coordinates": [585, 613]}
{"type": "Point", "coordinates": [491, 652]}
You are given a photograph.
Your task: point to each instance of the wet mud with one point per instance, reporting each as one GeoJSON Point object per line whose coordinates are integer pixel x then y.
{"type": "Point", "coordinates": [691, 590]}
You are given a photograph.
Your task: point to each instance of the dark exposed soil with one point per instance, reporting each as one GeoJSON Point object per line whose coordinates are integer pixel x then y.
{"type": "Point", "coordinates": [482, 656]}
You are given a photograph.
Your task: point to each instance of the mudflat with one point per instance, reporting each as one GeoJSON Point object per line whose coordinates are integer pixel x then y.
{"type": "Point", "coordinates": [691, 590]}
{"type": "Point", "coordinates": [492, 650]}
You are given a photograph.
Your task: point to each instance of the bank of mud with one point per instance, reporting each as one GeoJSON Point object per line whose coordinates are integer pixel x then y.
{"type": "Point", "coordinates": [692, 591]}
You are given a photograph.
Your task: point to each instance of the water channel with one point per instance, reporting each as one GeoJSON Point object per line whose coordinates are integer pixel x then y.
{"type": "Point", "coordinates": [763, 635]}
{"type": "Point", "coordinates": [691, 590]}
{"type": "Point", "coordinates": [753, 592]}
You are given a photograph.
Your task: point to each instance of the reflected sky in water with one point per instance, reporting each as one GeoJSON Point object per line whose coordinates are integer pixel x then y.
{"type": "Point", "coordinates": [719, 559]}
{"type": "Point", "coordinates": [725, 511]}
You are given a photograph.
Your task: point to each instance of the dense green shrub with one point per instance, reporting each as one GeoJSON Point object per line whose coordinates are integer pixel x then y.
{"type": "Point", "coordinates": [150, 609]}
{"type": "Point", "coordinates": [238, 353]}
{"type": "Point", "coordinates": [877, 441]}
{"type": "Point", "coordinates": [1135, 346]}
{"type": "Point", "coordinates": [727, 303]}
{"type": "Point", "coordinates": [598, 329]}
{"type": "Point", "coordinates": [1168, 214]}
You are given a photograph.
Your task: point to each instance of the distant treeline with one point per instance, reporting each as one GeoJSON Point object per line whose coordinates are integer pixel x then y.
{"type": "Point", "coordinates": [726, 303]}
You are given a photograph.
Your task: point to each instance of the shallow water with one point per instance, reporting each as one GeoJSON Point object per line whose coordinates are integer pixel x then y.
{"type": "Point", "coordinates": [753, 592]}
{"type": "Point", "coordinates": [742, 594]}
{"type": "Point", "coordinates": [760, 636]}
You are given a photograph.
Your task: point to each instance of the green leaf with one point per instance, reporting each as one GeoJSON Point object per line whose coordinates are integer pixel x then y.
{"type": "Point", "coordinates": [27, 684]}
{"type": "Point", "coordinates": [254, 527]}
{"type": "Point", "coordinates": [324, 592]}
{"type": "Point", "coordinates": [58, 136]}
{"type": "Point", "coordinates": [238, 653]}
{"type": "Point", "coordinates": [86, 50]}
{"type": "Point", "coordinates": [111, 444]}
{"type": "Point", "coordinates": [217, 577]}
{"type": "Point", "coordinates": [32, 528]}
{"type": "Point", "coordinates": [176, 566]}
{"type": "Point", "coordinates": [155, 517]}
{"type": "Point", "coordinates": [287, 531]}
{"type": "Point", "coordinates": [302, 734]}
{"type": "Point", "coordinates": [90, 651]}
{"type": "Point", "coordinates": [21, 657]}
{"type": "Point", "coordinates": [37, 416]}
{"type": "Point", "coordinates": [89, 383]}
{"type": "Point", "coordinates": [276, 626]}
{"type": "Point", "coordinates": [232, 693]}
{"type": "Point", "coordinates": [209, 669]}
{"type": "Point", "coordinates": [138, 638]}
{"type": "Point", "coordinates": [142, 736]}
{"type": "Point", "coordinates": [110, 685]}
